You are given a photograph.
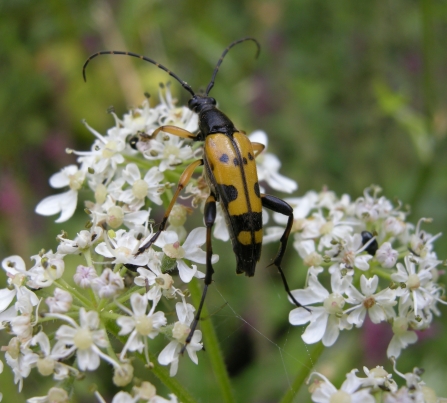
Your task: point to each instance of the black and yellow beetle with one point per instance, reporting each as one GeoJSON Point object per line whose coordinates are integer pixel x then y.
{"type": "Point", "coordinates": [230, 171]}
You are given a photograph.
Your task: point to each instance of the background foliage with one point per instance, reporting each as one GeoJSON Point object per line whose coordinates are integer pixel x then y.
{"type": "Point", "coordinates": [350, 93]}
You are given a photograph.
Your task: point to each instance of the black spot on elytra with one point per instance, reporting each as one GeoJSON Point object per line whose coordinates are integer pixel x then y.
{"type": "Point", "coordinates": [224, 158]}
{"type": "Point", "coordinates": [257, 192]}
{"type": "Point", "coordinates": [230, 192]}
{"type": "Point", "coordinates": [250, 157]}
{"type": "Point", "coordinates": [236, 162]}
{"type": "Point", "coordinates": [245, 161]}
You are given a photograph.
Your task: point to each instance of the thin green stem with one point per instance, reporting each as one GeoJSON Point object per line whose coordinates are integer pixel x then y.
{"type": "Point", "coordinates": [303, 373]}
{"type": "Point", "coordinates": [213, 350]}
{"type": "Point", "coordinates": [72, 290]}
{"type": "Point", "coordinates": [426, 168]}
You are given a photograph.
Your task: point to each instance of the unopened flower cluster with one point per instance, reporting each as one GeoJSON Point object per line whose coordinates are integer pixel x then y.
{"type": "Point", "coordinates": [376, 386]}
{"type": "Point", "coordinates": [364, 259]}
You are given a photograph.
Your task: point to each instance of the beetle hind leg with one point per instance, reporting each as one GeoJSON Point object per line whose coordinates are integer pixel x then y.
{"type": "Point", "coordinates": [210, 218]}
{"type": "Point", "coordinates": [280, 206]}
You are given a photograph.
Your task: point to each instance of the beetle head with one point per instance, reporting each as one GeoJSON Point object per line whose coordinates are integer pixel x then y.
{"type": "Point", "coordinates": [198, 103]}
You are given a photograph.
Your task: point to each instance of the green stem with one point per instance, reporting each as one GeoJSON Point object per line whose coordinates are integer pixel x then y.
{"type": "Point", "coordinates": [213, 350]}
{"type": "Point", "coordinates": [428, 88]}
{"type": "Point", "coordinates": [303, 373]}
{"type": "Point", "coordinates": [381, 273]}
{"type": "Point", "coordinates": [72, 290]}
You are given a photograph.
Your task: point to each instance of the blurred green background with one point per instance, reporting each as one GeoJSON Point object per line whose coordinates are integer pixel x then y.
{"type": "Point", "coordinates": [350, 93]}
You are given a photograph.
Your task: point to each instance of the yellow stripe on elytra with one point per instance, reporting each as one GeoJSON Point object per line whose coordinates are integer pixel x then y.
{"type": "Point", "coordinates": [244, 237]}
{"type": "Point", "coordinates": [228, 173]}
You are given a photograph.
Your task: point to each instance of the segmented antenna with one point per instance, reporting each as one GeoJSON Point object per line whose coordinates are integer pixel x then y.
{"type": "Point", "coordinates": [184, 84]}
{"type": "Point", "coordinates": [216, 69]}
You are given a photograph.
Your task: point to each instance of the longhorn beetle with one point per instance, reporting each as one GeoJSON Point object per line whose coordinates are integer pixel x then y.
{"type": "Point", "coordinates": [230, 171]}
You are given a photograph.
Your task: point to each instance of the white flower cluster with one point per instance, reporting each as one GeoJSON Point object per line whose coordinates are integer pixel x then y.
{"type": "Point", "coordinates": [377, 386]}
{"type": "Point", "coordinates": [374, 262]}
{"type": "Point", "coordinates": [377, 263]}
{"type": "Point", "coordinates": [127, 171]}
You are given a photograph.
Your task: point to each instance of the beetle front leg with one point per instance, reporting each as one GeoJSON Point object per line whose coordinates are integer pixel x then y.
{"type": "Point", "coordinates": [280, 206]}
{"type": "Point", "coordinates": [175, 131]}
{"type": "Point", "coordinates": [184, 179]}
{"type": "Point", "coordinates": [210, 218]}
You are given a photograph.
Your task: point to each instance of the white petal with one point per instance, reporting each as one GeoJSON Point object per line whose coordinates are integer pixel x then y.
{"type": "Point", "coordinates": [195, 239]}
{"type": "Point", "coordinates": [315, 331]}
{"type": "Point", "coordinates": [126, 323]}
{"type": "Point", "coordinates": [61, 179]}
{"type": "Point", "coordinates": [6, 297]}
{"type": "Point", "coordinates": [299, 316]}
{"type": "Point", "coordinates": [103, 250]}
{"type": "Point", "coordinates": [186, 273]}
{"type": "Point", "coordinates": [131, 173]}
{"type": "Point", "coordinates": [332, 331]}
{"type": "Point", "coordinates": [65, 203]}
{"type": "Point", "coordinates": [259, 136]}
{"type": "Point", "coordinates": [139, 304]}
{"type": "Point", "coordinates": [168, 354]}
{"type": "Point", "coordinates": [87, 360]}
{"type": "Point", "coordinates": [14, 264]}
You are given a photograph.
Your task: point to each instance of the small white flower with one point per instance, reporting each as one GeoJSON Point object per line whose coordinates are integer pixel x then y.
{"type": "Point", "coordinates": [378, 305]}
{"type": "Point", "coordinates": [149, 186]}
{"type": "Point", "coordinates": [417, 284]}
{"type": "Point", "coordinates": [115, 215]}
{"type": "Point", "coordinates": [84, 276]}
{"type": "Point", "coordinates": [139, 325]}
{"type": "Point", "coordinates": [21, 359]}
{"type": "Point", "coordinates": [48, 267]}
{"type": "Point", "coordinates": [84, 240]}
{"type": "Point", "coordinates": [86, 339]}
{"type": "Point", "coordinates": [55, 395]}
{"type": "Point", "coordinates": [171, 150]}
{"type": "Point", "coordinates": [108, 284]}
{"type": "Point", "coordinates": [386, 255]}
{"type": "Point", "coordinates": [17, 275]}
{"type": "Point", "coordinates": [122, 247]}
{"type": "Point", "coordinates": [326, 320]}
{"type": "Point", "coordinates": [350, 253]}
{"type": "Point", "coordinates": [421, 243]}
{"type": "Point", "coordinates": [106, 151]}
{"type": "Point", "coordinates": [64, 203]}
{"type": "Point", "coordinates": [61, 302]}
{"type": "Point", "coordinates": [349, 392]}
{"type": "Point", "coordinates": [402, 336]}
{"type": "Point", "coordinates": [160, 283]}
{"type": "Point", "coordinates": [371, 207]}
{"type": "Point", "coordinates": [180, 331]}
{"type": "Point", "coordinates": [168, 241]}
{"type": "Point", "coordinates": [49, 361]}
{"type": "Point", "coordinates": [378, 378]}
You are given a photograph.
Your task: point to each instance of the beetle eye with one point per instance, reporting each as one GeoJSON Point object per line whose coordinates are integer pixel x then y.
{"type": "Point", "coordinates": [213, 101]}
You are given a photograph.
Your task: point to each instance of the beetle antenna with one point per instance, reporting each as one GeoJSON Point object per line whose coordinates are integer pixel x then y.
{"type": "Point", "coordinates": [184, 84]}
{"type": "Point", "coordinates": [216, 69]}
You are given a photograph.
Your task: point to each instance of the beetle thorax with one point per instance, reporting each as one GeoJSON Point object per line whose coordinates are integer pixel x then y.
{"type": "Point", "coordinates": [211, 119]}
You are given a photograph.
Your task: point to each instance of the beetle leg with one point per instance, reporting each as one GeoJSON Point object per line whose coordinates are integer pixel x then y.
{"type": "Point", "coordinates": [210, 217]}
{"type": "Point", "coordinates": [280, 206]}
{"type": "Point", "coordinates": [184, 179]}
{"type": "Point", "coordinates": [174, 130]}
{"type": "Point", "coordinates": [258, 148]}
